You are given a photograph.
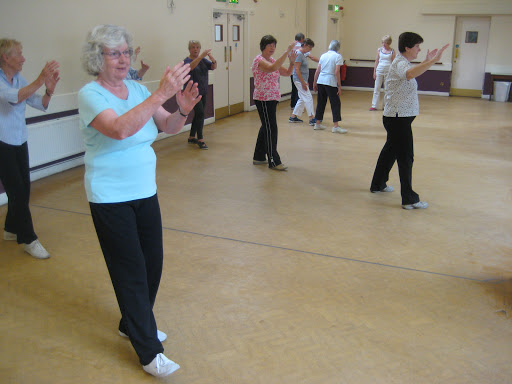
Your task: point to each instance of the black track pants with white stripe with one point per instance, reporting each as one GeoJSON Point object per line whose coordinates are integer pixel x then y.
{"type": "Point", "coordinates": [266, 144]}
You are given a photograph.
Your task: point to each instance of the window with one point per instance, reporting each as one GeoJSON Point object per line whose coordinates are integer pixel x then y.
{"type": "Point", "coordinates": [236, 33]}
{"type": "Point", "coordinates": [219, 35]}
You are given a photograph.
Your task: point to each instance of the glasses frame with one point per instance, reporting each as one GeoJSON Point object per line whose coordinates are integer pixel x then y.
{"type": "Point", "coordinates": [117, 54]}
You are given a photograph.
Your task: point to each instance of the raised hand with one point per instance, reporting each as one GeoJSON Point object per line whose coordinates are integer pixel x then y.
{"type": "Point", "coordinates": [440, 52]}
{"type": "Point", "coordinates": [48, 70]}
{"type": "Point", "coordinates": [144, 66]}
{"type": "Point", "coordinates": [136, 53]}
{"type": "Point", "coordinates": [206, 52]}
{"type": "Point", "coordinates": [51, 82]}
{"type": "Point", "coordinates": [436, 53]}
{"type": "Point", "coordinates": [173, 80]}
{"type": "Point", "coordinates": [188, 98]}
{"type": "Point", "coordinates": [292, 55]}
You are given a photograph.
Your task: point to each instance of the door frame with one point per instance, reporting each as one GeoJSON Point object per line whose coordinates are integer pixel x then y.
{"type": "Point", "coordinates": [245, 41]}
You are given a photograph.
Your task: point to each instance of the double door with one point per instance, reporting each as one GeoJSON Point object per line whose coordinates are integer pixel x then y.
{"type": "Point", "coordinates": [228, 50]}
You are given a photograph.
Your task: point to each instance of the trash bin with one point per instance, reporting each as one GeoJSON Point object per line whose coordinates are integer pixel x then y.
{"type": "Point", "coordinates": [501, 90]}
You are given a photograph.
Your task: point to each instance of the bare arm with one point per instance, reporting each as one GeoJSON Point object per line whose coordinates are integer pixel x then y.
{"type": "Point", "coordinates": [432, 58]}
{"type": "Point", "coordinates": [173, 122]}
{"type": "Point", "coordinates": [194, 63]}
{"type": "Point", "coordinates": [338, 78]}
{"type": "Point", "coordinates": [214, 62]}
{"type": "Point", "coordinates": [314, 58]}
{"type": "Point", "coordinates": [50, 84]}
{"type": "Point", "coordinates": [317, 72]}
{"type": "Point", "coordinates": [129, 123]}
{"type": "Point", "coordinates": [48, 71]}
{"type": "Point", "coordinates": [376, 65]}
{"type": "Point", "coordinates": [143, 69]}
{"type": "Point", "coordinates": [266, 66]}
{"type": "Point", "coordinates": [283, 71]}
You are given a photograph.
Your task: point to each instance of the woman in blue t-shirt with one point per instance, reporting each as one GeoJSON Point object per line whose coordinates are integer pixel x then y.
{"type": "Point", "coordinates": [119, 120]}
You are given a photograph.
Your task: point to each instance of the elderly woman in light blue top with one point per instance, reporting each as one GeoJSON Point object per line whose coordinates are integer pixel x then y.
{"type": "Point", "coordinates": [119, 120]}
{"type": "Point", "coordinates": [328, 84]}
{"type": "Point", "coordinates": [15, 94]}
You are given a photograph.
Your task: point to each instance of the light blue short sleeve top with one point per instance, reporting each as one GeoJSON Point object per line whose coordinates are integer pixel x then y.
{"type": "Point", "coordinates": [116, 170]}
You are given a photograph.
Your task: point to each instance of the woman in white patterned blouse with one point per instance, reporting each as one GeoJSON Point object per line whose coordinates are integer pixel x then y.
{"type": "Point", "coordinates": [401, 108]}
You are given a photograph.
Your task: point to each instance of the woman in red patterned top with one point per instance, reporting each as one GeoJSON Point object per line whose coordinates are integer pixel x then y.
{"type": "Point", "coordinates": [266, 71]}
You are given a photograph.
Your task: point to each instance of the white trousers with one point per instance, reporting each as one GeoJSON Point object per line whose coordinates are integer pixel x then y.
{"type": "Point", "coordinates": [305, 100]}
{"type": "Point", "coordinates": [380, 78]}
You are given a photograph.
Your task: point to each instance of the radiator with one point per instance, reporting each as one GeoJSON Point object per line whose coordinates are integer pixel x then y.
{"type": "Point", "coordinates": [54, 140]}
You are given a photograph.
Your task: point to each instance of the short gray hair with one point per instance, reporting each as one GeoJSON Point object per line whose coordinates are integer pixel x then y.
{"type": "Point", "coordinates": [334, 46]}
{"type": "Point", "coordinates": [102, 36]}
{"type": "Point", "coordinates": [192, 42]}
{"type": "Point", "coordinates": [6, 47]}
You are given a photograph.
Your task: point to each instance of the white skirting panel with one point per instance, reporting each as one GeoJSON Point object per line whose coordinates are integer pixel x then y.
{"type": "Point", "coordinates": [53, 140]}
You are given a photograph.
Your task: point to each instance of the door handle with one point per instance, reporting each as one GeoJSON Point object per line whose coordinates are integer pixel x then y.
{"type": "Point", "coordinates": [225, 54]}
{"type": "Point", "coordinates": [230, 54]}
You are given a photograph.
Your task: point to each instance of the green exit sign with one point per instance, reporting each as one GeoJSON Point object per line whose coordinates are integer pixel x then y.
{"type": "Point", "coordinates": [233, 1]}
{"type": "Point", "coordinates": [336, 8]}
{"type": "Point", "coordinates": [221, 1]}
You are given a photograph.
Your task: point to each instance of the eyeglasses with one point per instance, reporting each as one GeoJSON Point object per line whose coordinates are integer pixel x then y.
{"type": "Point", "coordinates": [117, 54]}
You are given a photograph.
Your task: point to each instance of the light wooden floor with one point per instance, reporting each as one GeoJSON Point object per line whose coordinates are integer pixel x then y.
{"type": "Point", "coordinates": [288, 277]}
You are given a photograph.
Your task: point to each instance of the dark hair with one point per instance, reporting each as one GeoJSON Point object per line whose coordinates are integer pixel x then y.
{"type": "Point", "coordinates": [266, 40]}
{"type": "Point", "coordinates": [408, 40]}
{"type": "Point", "coordinates": [299, 36]}
{"type": "Point", "coordinates": [308, 41]}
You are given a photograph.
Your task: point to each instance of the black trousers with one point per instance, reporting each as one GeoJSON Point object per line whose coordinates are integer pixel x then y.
{"type": "Point", "coordinates": [15, 177]}
{"type": "Point", "coordinates": [295, 94]}
{"type": "Point", "coordinates": [130, 236]}
{"type": "Point", "coordinates": [266, 144]}
{"type": "Point", "coordinates": [324, 92]}
{"type": "Point", "coordinates": [399, 146]}
{"type": "Point", "coordinates": [198, 121]}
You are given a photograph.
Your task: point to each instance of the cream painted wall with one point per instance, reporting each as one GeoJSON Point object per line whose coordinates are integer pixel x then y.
{"type": "Point", "coordinates": [499, 52]}
{"type": "Point", "coordinates": [365, 22]}
{"type": "Point", "coordinates": [56, 29]}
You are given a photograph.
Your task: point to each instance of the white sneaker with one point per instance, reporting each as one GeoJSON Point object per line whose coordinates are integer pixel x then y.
{"type": "Point", "coordinates": [37, 250]}
{"type": "Point", "coordinates": [319, 126]}
{"type": "Point", "coordinates": [339, 130]}
{"type": "Point", "coordinates": [161, 366]}
{"type": "Point", "coordinates": [388, 188]}
{"type": "Point", "coordinates": [161, 335]}
{"type": "Point", "coordinates": [10, 236]}
{"type": "Point", "coordinates": [418, 205]}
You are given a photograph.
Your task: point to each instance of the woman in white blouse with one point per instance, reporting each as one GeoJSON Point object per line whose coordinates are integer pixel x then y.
{"type": "Point", "coordinates": [400, 109]}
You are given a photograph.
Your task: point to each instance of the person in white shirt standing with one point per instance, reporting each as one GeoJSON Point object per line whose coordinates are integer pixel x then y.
{"type": "Point", "coordinates": [400, 109]}
{"type": "Point", "coordinates": [328, 85]}
{"type": "Point", "coordinates": [385, 56]}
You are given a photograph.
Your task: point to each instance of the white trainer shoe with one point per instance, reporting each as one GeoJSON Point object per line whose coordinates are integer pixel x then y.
{"type": "Point", "coordinates": [10, 236]}
{"type": "Point", "coordinates": [161, 335]}
{"type": "Point", "coordinates": [37, 250]}
{"type": "Point", "coordinates": [418, 205]}
{"type": "Point", "coordinates": [319, 126]}
{"type": "Point", "coordinates": [339, 130]}
{"type": "Point", "coordinates": [161, 366]}
{"type": "Point", "coordinates": [388, 188]}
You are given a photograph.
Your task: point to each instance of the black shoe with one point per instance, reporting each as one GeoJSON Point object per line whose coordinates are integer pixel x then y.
{"type": "Point", "coordinates": [192, 140]}
{"type": "Point", "coordinates": [202, 145]}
